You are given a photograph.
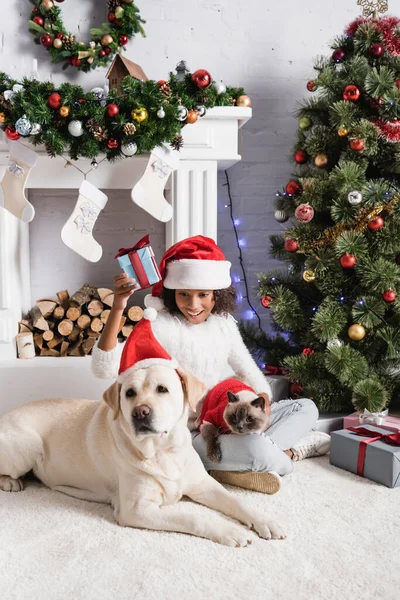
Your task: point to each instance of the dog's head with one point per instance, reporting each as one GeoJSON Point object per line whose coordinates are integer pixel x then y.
{"type": "Point", "coordinates": [153, 400]}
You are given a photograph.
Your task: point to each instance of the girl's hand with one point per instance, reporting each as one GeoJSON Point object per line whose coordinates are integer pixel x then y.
{"type": "Point", "coordinates": [123, 290]}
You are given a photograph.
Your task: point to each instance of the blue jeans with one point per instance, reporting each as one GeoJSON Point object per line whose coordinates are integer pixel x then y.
{"type": "Point", "coordinates": [290, 420]}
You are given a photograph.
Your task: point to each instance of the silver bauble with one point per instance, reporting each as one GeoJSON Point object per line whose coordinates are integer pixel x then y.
{"type": "Point", "coordinates": [200, 109]}
{"type": "Point", "coordinates": [280, 216]}
{"type": "Point", "coordinates": [182, 113]}
{"type": "Point", "coordinates": [94, 164]}
{"type": "Point", "coordinates": [129, 149]}
{"type": "Point", "coordinates": [219, 87]}
{"type": "Point", "coordinates": [23, 126]}
{"type": "Point", "coordinates": [36, 128]}
{"type": "Point", "coordinates": [161, 113]}
{"type": "Point", "coordinates": [335, 343]}
{"type": "Point", "coordinates": [75, 128]}
{"type": "Point", "coordinates": [355, 197]}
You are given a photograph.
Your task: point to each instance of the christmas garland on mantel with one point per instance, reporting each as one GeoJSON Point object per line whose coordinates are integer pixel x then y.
{"type": "Point", "coordinates": [47, 27]}
{"type": "Point", "coordinates": [144, 114]}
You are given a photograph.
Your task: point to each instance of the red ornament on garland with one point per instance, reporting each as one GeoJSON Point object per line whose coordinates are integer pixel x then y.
{"type": "Point", "coordinates": [202, 78]}
{"type": "Point", "coordinates": [377, 50]}
{"type": "Point", "coordinates": [348, 261]}
{"type": "Point", "coordinates": [112, 143]}
{"type": "Point", "coordinates": [54, 100]}
{"type": "Point", "coordinates": [76, 62]}
{"type": "Point", "coordinates": [295, 390]}
{"type": "Point", "coordinates": [107, 50]}
{"type": "Point", "coordinates": [338, 55]}
{"type": "Point", "coordinates": [112, 110]}
{"type": "Point", "coordinates": [397, 82]}
{"type": "Point", "coordinates": [102, 53]}
{"type": "Point", "coordinates": [376, 224]}
{"type": "Point", "coordinates": [111, 17]}
{"type": "Point", "coordinates": [308, 351]}
{"type": "Point", "coordinates": [46, 40]}
{"type": "Point", "coordinates": [304, 213]}
{"type": "Point", "coordinates": [39, 21]}
{"type": "Point", "coordinates": [11, 133]}
{"type": "Point", "coordinates": [312, 85]}
{"type": "Point", "coordinates": [389, 296]}
{"type": "Point", "coordinates": [123, 40]}
{"type": "Point", "coordinates": [59, 35]}
{"type": "Point", "coordinates": [292, 188]}
{"type": "Point", "coordinates": [351, 93]}
{"type": "Point", "coordinates": [266, 301]}
{"type": "Point", "coordinates": [291, 246]}
{"type": "Point", "coordinates": [357, 144]}
{"type": "Point", "coordinates": [300, 157]}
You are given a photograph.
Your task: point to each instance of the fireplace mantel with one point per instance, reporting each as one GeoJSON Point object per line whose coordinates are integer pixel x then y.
{"type": "Point", "coordinates": [211, 144]}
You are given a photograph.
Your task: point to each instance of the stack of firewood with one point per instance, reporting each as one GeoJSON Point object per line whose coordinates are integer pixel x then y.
{"type": "Point", "coordinates": [71, 325]}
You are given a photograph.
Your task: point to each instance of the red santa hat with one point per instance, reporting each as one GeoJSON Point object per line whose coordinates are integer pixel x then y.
{"type": "Point", "coordinates": [142, 350]}
{"type": "Point", "coordinates": [196, 263]}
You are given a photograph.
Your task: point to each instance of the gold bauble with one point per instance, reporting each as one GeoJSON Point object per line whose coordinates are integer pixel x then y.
{"type": "Point", "coordinates": [2, 117]}
{"type": "Point", "coordinates": [106, 40]}
{"type": "Point", "coordinates": [356, 332]}
{"type": "Point", "coordinates": [342, 131]}
{"type": "Point", "coordinates": [47, 4]}
{"type": "Point", "coordinates": [309, 275]}
{"type": "Point", "coordinates": [140, 114]}
{"type": "Point", "coordinates": [321, 160]}
{"type": "Point", "coordinates": [57, 43]}
{"type": "Point", "coordinates": [243, 101]}
{"type": "Point", "coordinates": [64, 111]}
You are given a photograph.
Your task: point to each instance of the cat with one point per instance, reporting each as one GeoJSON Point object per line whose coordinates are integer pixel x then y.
{"type": "Point", "coordinates": [230, 407]}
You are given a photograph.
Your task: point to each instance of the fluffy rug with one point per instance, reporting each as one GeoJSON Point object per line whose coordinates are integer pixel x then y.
{"type": "Point", "coordinates": [343, 543]}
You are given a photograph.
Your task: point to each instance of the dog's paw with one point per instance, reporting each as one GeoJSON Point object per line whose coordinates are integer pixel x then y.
{"type": "Point", "coordinates": [214, 453]}
{"type": "Point", "coordinates": [8, 484]}
{"type": "Point", "coordinates": [233, 536]}
{"type": "Point", "coordinates": [269, 530]}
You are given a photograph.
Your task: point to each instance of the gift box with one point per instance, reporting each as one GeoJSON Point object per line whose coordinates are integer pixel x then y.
{"type": "Point", "coordinates": [139, 263]}
{"type": "Point", "coordinates": [372, 452]}
{"type": "Point", "coordinates": [279, 386]}
{"type": "Point", "coordinates": [389, 423]}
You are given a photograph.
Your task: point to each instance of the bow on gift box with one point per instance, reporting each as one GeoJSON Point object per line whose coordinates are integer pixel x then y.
{"type": "Point", "coordinates": [145, 241]}
{"type": "Point", "coordinates": [373, 418]}
{"type": "Point", "coordinates": [373, 436]}
{"type": "Point", "coordinates": [136, 260]}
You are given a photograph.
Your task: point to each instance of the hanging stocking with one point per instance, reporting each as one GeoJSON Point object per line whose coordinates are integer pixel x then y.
{"type": "Point", "coordinates": [13, 179]}
{"type": "Point", "coordinates": [148, 193]}
{"type": "Point", "coordinates": [77, 231]}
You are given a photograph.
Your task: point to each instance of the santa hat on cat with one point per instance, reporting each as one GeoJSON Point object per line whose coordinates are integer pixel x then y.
{"type": "Point", "coordinates": [196, 263]}
{"type": "Point", "coordinates": [142, 350]}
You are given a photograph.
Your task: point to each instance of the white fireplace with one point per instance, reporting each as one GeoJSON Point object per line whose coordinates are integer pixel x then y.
{"type": "Point", "coordinates": [210, 145]}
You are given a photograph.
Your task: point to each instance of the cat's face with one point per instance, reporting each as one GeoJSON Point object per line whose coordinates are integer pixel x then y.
{"type": "Point", "coordinates": [245, 413]}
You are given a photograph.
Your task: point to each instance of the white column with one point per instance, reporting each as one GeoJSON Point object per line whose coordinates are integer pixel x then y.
{"type": "Point", "coordinates": [194, 201]}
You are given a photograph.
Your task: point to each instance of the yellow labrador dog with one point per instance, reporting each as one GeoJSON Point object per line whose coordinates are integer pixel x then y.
{"type": "Point", "coordinates": [133, 451]}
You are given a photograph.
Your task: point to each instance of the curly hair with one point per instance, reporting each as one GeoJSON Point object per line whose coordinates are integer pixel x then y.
{"type": "Point", "coordinates": [225, 301]}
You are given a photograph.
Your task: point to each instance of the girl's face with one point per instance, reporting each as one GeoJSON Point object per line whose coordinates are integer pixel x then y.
{"type": "Point", "coordinates": [195, 305]}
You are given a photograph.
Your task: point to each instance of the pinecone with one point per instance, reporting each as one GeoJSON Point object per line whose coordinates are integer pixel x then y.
{"type": "Point", "coordinates": [129, 128]}
{"type": "Point", "coordinates": [92, 124]}
{"type": "Point", "coordinates": [166, 90]}
{"type": "Point", "coordinates": [177, 142]}
{"type": "Point", "coordinates": [100, 133]}
{"type": "Point", "coordinates": [112, 5]}
{"type": "Point", "coordinates": [68, 41]}
{"type": "Point", "coordinates": [231, 100]}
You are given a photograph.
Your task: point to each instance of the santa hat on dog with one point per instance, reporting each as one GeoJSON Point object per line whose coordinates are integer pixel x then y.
{"type": "Point", "coordinates": [142, 350]}
{"type": "Point", "coordinates": [196, 263]}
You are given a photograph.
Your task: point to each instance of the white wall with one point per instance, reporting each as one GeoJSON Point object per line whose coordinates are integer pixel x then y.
{"type": "Point", "coordinates": [267, 47]}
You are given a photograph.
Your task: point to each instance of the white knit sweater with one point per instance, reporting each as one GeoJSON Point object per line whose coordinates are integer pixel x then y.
{"type": "Point", "coordinates": [211, 351]}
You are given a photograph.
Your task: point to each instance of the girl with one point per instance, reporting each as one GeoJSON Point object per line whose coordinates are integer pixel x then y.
{"type": "Point", "coordinates": [194, 326]}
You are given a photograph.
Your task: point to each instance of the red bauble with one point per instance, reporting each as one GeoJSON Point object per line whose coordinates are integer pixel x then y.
{"type": "Point", "coordinates": [311, 85]}
{"type": "Point", "coordinates": [291, 246]}
{"type": "Point", "coordinates": [112, 110]}
{"type": "Point", "coordinates": [38, 20]}
{"type": "Point", "coordinates": [308, 351]}
{"type": "Point", "coordinates": [376, 50]}
{"type": "Point", "coordinates": [357, 144]}
{"type": "Point", "coordinates": [266, 301]}
{"type": "Point", "coordinates": [46, 40]}
{"type": "Point", "coordinates": [161, 82]}
{"type": "Point", "coordinates": [389, 296]}
{"type": "Point", "coordinates": [11, 133]}
{"type": "Point", "coordinates": [202, 78]}
{"type": "Point", "coordinates": [348, 261]}
{"type": "Point", "coordinates": [111, 17]}
{"type": "Point", "coordinates": [376, 224]}
{"type": "Point", "coordinates": [76, 62]}
{"type": "Point", "coordinates": [376, 103]}
{"type": "Point", "coordinates": [351, 93]}
{"type": "Point", "coordinates": [123, 40]}
{"type": "Point", "coordinates": [54, 100]}
{"type": "Point", "coordinates": [102, 53]}
{"type": "Point", "coordinates": [112, 143]}
{"type": "Point", "coordinates": [107, 50]}
{"type": "Point", "coordinates": [304, 213]}
{"type": "Point", "coordinates": [397, 82]}
{"type": "Point", "coordinates": [35, 10]}
{"type": "Point", "coordinates": [60, 35]}
{"type": "Point", "coordinates": [300, 157]}
{"type": "Point", "coordinates": [338, 55]}
{"type": "Point", "coordinates": [295, 390]}
{"type": "Point", "coordinates": [292, 188]}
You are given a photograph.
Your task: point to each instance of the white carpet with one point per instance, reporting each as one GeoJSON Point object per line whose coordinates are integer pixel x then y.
{"type": "Point", "coordinates": [343, 543]}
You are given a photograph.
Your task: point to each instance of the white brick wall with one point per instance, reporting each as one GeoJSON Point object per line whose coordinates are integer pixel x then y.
{"type": "Point", "coordinates": [265, 46]}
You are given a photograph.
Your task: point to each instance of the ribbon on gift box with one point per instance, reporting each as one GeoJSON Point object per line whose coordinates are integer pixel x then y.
{"type": "Point", "coordinates": [374, 436]}
{"type": "Point", "coordinates": [273, 370]}
{"type": "Point", "coordinates": [135, 260]}
{"type": "Point", "coordinates": [373, 418]}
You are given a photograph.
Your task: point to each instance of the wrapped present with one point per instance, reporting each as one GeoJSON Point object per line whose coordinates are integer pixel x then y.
{"type": "Point", "coordinates": [371, 452]}
{"type": "Point", "coordinates": [139, 263]}
{"type": "Point", "coordinates": [279, 386]}
{"type": "Point", "coordinates": [381, 419]}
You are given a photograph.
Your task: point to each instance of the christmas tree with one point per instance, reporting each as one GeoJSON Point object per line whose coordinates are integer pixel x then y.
{"type": "Point", "coordinates": [335, 306]}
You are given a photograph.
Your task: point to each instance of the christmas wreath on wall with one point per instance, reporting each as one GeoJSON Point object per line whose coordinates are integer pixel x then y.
{"type": "Point", "coordinates": [48, 29]}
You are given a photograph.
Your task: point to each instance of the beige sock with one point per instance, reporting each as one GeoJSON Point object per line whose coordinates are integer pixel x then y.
{"type": "Point", "coordinates": [13, 182]}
